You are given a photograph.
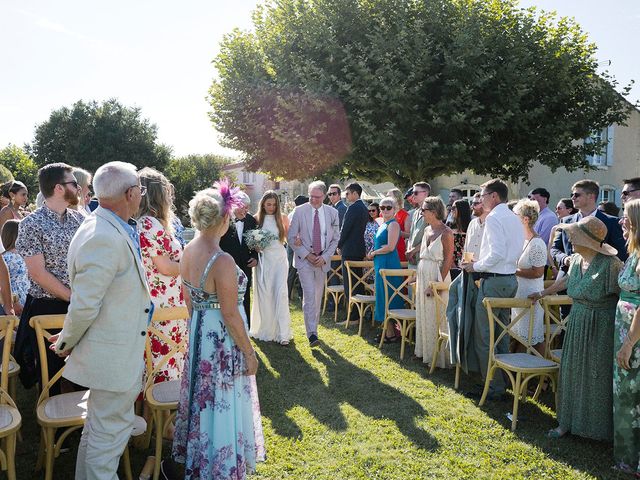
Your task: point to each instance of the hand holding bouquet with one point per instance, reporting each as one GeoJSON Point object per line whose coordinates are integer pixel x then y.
{"type": "Point", "coordinates": [259, 239]}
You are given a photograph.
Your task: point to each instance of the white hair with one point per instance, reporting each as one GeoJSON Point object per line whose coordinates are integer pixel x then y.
{"type": "Point", "coordinates": [244, 198]}
{"type": "Point", "coordinates": [205, 209]}
{"type": "Point", "coordinates": [82, 176]}
{"type": "Point", "coordinates": [318, 184]}
{"type": "Point", "coordinates": [113, 179]}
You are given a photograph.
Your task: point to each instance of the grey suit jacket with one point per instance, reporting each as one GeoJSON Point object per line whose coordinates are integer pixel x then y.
{"type": "Point", "coordinates": [302, 225]}
{"type": "Point", "coordinates": [106, 324]}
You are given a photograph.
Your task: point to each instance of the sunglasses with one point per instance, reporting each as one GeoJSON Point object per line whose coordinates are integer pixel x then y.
{"type": "Point", "coordinates": [626, 193]}
{"type": "Point", "coordinates": [425, 209]}
{"type": "Point", "coordinates": [373, 210]}
{"type": "Point", "coordinates": [72, 182]}
{"type": "Point", "coordinates": [576, 195]}
{"type": "Point", "coordinates": [386, 207]}
{"type": "Point", "coordinates": [331, 194]}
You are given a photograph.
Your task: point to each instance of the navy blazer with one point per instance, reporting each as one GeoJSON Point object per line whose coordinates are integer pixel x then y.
{"type": "Point", "coordinates": [562, 248]}
{"type": "Point", "coordinates": [231, 244]}
{"type": "Point", "coordinates": [342, 210]}
{"type": "Point", "coordinates": [351, 243]}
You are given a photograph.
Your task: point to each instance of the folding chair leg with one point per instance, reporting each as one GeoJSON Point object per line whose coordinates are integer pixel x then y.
{"type": "Point", "coordinates": [457, 380]}
{"type": "Point", "coordinates": [41, 450]}
{"type": "Point", "coordinates": [384, 332]}
{"type": "Point", "coordinates": [434, 357]}
{"type": "Point", "coordinates": [324, 306]}
{"type": "Point", "coordinates": [11, 457]}
{"type": "Point", "coordinates": [157, 417]}
{"type": "Point", "coordinates": [49, 452]}
{"type": "Point", "coordinates": [487, 383]}
{"type": "Point", "coordinates": [349, 306]}
{"type": "Point", "coordinates": [335, 308]}
{"type": "Point", "coordinates": [516, 401]}
{"type": "Point", "coordinates": [126, 461]}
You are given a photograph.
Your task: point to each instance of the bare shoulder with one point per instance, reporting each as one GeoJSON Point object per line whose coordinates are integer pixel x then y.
{"type": "Point", "coordinates": [224, 263]}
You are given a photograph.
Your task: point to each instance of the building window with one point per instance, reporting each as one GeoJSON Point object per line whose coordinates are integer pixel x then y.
{"type": "Point", "coordinates": [248, 177]}
{"type": "Point", "coordinates": [605, 157]}
{"type": "Point", "coordinates": [607, 194]}
{"type": "Point", "coordinates": [468, 191]}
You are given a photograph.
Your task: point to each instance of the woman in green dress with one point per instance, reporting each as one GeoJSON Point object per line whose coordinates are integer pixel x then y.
{"type": "Point", "coordinates": [626, 367]}
{"type": "Point", "coordinates": [584, 390]}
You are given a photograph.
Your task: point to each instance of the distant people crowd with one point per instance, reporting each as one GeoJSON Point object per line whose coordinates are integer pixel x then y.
{"type": "Point", "coordinates": [107, 246]}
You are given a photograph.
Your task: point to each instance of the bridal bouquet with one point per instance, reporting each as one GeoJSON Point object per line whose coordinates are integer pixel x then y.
{"type": "Point", "coordinates": [259, 239]}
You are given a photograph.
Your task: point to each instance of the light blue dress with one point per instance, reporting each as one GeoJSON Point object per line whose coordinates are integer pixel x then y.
{"type": "Point", "coordinates": [387, 260]}
{"type": "Point", "coordinates": [18, 276]}
{"type": "Point", "coordinates": [218, 431]}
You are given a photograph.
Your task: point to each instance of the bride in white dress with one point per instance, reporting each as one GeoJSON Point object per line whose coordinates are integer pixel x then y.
{"type": "Point", "coordinates": [270, 318]}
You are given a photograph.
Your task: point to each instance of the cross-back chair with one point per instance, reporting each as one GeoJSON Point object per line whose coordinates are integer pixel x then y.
{"type": "Point", "coordinates": [524, 366]}
{"type": "Point", "coordinates": [405, 318]}
{"type": "Point", "coordinates": [336, 291]}
{"type": "Point", "coordinates": [554, 324]}
{"type": "Point", "coordinates": [65, 410]}
{"type": "Point", "coordinates": [440, 295]}
{"type": "Point", "coordinates": [162, 398]}
{"type": "Point", "coordinates": [10, 419]}
{"type": "Point", "coordinates": [360, 301]}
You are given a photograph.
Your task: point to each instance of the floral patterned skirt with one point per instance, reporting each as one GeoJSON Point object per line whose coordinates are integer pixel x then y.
{"type": "Point", "coordinates": [218, 430]}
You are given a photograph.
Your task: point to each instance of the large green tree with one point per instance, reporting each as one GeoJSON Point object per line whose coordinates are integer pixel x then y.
{"type": "Point", "coordinates": [90, 134]}
{"type": "Point", "coordinates": [404, 90]}
{"type": "Point", "coordinates": [21, 165]}
{"type": "Point", "coordinates": [190, 174]}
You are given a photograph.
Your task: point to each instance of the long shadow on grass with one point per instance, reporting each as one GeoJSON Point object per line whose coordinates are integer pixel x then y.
{"type": "Point", "coordinates": [299, 384]}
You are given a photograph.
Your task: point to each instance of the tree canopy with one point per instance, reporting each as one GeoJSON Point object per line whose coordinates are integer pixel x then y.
{"type": "Point", "coordinates": [90, 134]}
{"type": "Point", "coordinates": [22, 166]}
{"type": "Point", "coordinates": [405, 90]}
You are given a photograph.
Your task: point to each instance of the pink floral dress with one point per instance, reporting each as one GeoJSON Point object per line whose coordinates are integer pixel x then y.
{"type": "Point", "coordinates": [166, 291]}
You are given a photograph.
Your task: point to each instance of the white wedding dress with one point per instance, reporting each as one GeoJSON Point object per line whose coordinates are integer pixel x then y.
{"type": "Point", "coordinates": [270, 318]}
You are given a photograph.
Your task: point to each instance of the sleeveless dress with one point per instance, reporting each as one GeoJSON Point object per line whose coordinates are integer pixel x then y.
{"type": "Point", "coordinates": [270, 318]}
{"type": "Point", "coordinates": [585, 396]}
{"type": "Point", "coordinates": [534, 254]}
{"type": "Point", "coordinates": [387, 260]}
{"type": "Point", "coordinates": [626, 395]}
{"type": "Point", "coordinates": [431, 258]}
{"type": "Point", "coordinates": [218, 430]}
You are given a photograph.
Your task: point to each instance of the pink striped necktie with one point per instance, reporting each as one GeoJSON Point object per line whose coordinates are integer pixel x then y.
{"type": "Point", "coordinates": [317, 240]}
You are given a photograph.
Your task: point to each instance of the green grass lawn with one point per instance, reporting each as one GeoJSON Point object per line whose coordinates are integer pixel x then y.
{"type": "Point", "coordinates": [346, 410]}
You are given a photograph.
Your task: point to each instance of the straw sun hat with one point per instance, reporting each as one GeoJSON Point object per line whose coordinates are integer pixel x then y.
{"type": "Point", "coordinates": [589, 232]}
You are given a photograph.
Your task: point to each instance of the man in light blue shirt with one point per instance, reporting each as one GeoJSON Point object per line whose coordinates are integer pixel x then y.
{"type": "Point", "coordinates": [546, 218]}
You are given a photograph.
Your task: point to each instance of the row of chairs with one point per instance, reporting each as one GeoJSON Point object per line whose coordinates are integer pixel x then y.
{"type": "Point", "coordinates": [68, 411]}
{"type": "Point", "coordinates": [520, 367]}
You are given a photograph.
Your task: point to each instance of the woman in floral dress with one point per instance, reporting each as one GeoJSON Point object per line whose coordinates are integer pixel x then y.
{"type": "Point", "coordinates": [161, 254]}
{"type": "Point", "coordinates": [218, 425]}
{"type": "Point", "coordinates": [16, 265]}
{"type": "Point", "coordinates": [626, 367]}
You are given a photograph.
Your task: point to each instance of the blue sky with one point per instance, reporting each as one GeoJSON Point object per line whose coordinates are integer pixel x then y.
{"type": "Point", "coordinates": [157, 55]}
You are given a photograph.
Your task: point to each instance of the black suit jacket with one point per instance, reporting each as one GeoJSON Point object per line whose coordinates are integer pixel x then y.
{"type": "Point", "coordinates": [239, 250]}
{"type": "Point", "coordinates": [351, 243]}
{"type": "Point", "coordinates": [562, 247]}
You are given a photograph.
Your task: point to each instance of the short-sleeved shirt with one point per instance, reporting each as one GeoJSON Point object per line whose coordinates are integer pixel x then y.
{"type": "Point", "coordinates": [47, 233]}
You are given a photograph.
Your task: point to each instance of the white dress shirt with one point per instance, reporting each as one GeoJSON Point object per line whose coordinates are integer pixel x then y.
{"type": "Point", "coordinates": [473, 239]}
{"type": "Point", "coordinates": [502, 242]}
{"type": "Point", "coordinates": [240, 230]}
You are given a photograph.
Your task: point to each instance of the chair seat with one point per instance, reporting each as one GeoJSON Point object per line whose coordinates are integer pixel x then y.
{"type": "Point", "coordinates": [335, 288]}
{"type": "Point", "coordinates": [66, 406]}
{"type": "Point", "coordinates": [9, 418]}
{"type": "Point", "coordinates": [403, 313]}
{"type": "Point", "coordinates": [165, 392]}
{"type": "Point", "coordinates": [363, 298]}
{"type": "Point", "coordinates": [524, 361]}
{"type": "Point", "coordinates": [14, 368]}
{"type": "Point", "coordinates": [557, 353]}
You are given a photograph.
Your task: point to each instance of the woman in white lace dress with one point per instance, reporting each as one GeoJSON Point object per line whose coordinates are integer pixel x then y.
{"type": "Point", "coordinates": [270, 319]}
{"type": "Point", "coordinates": [530, 272]}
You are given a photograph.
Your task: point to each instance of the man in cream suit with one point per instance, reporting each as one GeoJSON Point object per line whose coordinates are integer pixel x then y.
{"type": "Point", "coordinates": [314, 234]}
{"type": "Point", "coordinates": [105, 328]}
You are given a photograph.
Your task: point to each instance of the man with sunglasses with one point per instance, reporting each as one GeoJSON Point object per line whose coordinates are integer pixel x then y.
{"type": "Point", "coordinates": [421, 190]}
{"type": "Point", "coordinates": [630, 190]}
{"type": "Point", "coordinates": [43, 241]}
{"type": "Point", "coordinates": [585, 198]}
{"type": "Point", "coordinates": [335, 197]}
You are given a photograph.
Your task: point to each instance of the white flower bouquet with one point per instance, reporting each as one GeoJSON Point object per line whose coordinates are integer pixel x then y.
{"type": "Point", "coordinates": [259, 239]}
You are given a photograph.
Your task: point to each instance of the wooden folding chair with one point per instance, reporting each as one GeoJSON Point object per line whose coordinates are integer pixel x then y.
{"type": "Point", "coordinates": [10, 419]}
{"type": "Point", "coordinates": [66, 410]}
{"type": "Point", "coordinates": [405, 318]}
{"type": "Point", "coordinates": [525, 366]}
{"type": "Point", "coordinates": [162, 398]}
{"type": "Point", "coordinates": [360, 301]}
{"type": "Point", "coordinates": [554, 324]}
{"type": "Point", "coordinates": [336, 291]}
{"type": "Point", "coordinates": [440, 289]}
